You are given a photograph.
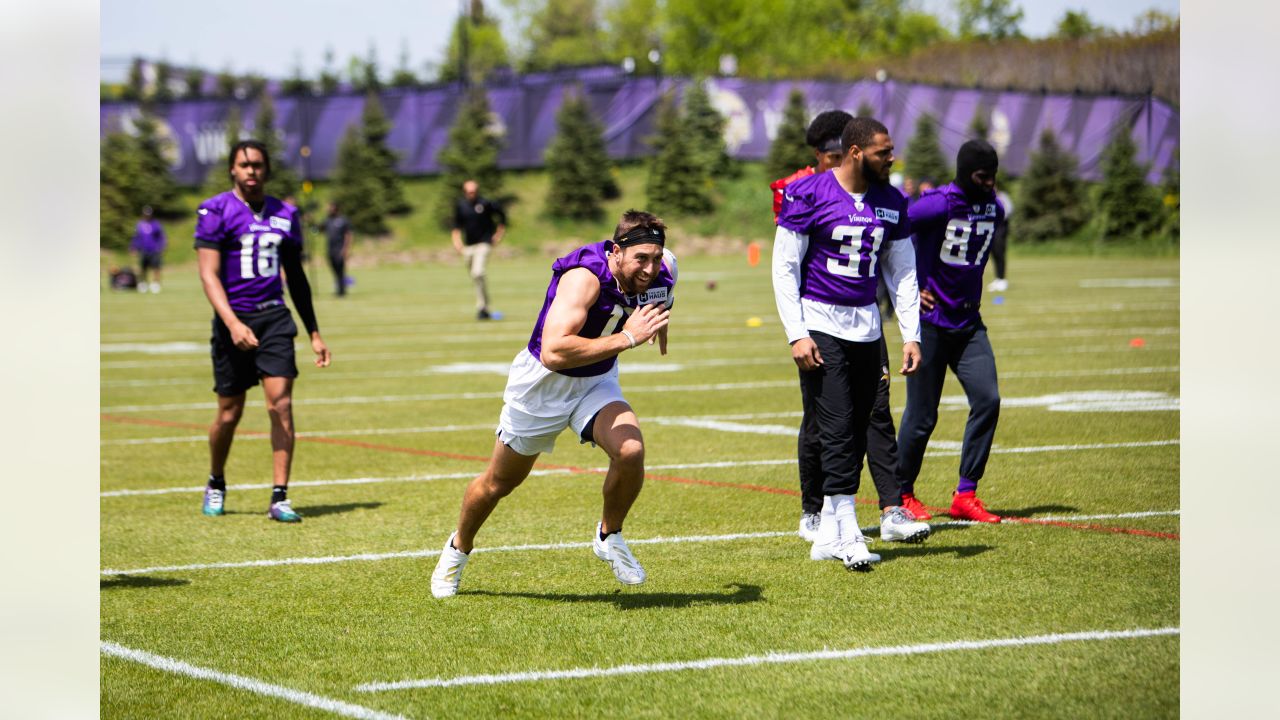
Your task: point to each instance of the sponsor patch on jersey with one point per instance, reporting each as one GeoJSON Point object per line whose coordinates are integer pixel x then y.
{"type": "Point", "coordinates": [887, 215]}
{"type": "Point", "coordinates": [991, 208]}
{"type": "Point", "coordinates": [652, 295]}
{"type": "Point", "coordinates": [280, 223]}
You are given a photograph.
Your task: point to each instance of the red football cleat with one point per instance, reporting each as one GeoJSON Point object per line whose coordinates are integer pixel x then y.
{"type": "Point", "coordinates": [909, 502]}
{"type": "Point", "coordinates": [967, 506]}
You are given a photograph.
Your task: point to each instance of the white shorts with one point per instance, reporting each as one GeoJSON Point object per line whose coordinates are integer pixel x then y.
{"type": "Point", "coordinates": [539, 404]}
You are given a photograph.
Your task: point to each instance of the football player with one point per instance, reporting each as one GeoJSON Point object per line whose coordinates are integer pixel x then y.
{"type": "Point", "coordinates": [603, 299]}
{"type": "Point", "coordinates": [837, 231]}
{"type": "Point", "coordinates": [245, 239]}
{"type": "Point", "coordinates": [954, 226]}
{"type": "Point", "coordinates": [824, 136]}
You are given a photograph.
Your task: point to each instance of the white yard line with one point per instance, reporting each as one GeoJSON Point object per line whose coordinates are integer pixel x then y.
{"type": "Point", "coordinates": [937, 452]}
{"type": "Point", "coordinates": [257, 687]}
{"type": "Point", "coordinates": [329, 559]}
{"type": "Point", "coordinates": [542, 547]}
{"type": "Point", "coordinates": [704, 387]}
{"type": "Point", "coordinates": [770, 658]}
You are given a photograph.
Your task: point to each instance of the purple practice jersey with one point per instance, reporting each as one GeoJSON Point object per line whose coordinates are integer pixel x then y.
{"type": "Point", "coordinates": [953, 236]}
{"type": "Point", "coordinates": [148, 237]}
{"type": "Point", "coordinates": [845, 236]}
{"type": "Point", "coordinates": [250, 246]}
{"type": "Point", "coordinates": [609, 312]}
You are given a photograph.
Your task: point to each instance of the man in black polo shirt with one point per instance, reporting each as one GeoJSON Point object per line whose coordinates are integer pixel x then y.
{"type": "Point", "coordinates": [478, 225]}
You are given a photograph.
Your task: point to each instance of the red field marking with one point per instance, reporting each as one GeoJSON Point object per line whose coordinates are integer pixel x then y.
{"type": "Point", "coordinates": [593, 471]}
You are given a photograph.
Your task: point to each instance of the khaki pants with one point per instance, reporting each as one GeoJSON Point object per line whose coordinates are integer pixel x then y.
{"type": "Point", "coordinates": [476, 258]}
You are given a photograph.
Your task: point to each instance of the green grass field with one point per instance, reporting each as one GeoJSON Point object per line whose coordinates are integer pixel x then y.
{"type": "Point", "coordinates": [1086, 449]}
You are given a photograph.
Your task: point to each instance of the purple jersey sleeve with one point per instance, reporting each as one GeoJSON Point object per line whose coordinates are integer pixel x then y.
{"type": "Point", "coordinates": [209, 232]}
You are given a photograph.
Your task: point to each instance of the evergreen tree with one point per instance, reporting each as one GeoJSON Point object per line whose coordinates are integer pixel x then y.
{"type": "Point", "coordinates": [225, 87]}
{"type": "Point", "coordinates": [678, 181]}
{"type": "Point", "coordinates": [367, 79]}
{"type": "Point", "coordinates": [328, 76]}
{"type": "Point", "coordinates": [356, 189]}
{"type": "Point", "coordinates": [865, 110]}
{"type": "Point", "coordinates": [470, 153]}
{"type": "Point", "coordinates": [283, 181]}
{"type": "Point", "coordinates": [117, 172]}
{"type": "Point", "coordinates": [705, 126]}
{"type": "Point", "coordinates": [164, 75]}
{"type": "Point", "coordinates": [1171, 192]}
{"type": "Point", "coordinates": [1051, 197]}
{"type": "Point", "coordinates": [1129, 206]}
{"type": "Point", "coordinates": [218, 180]}
{"type": "Point", "coordinates": [296, 85]}
{"type": "Point", "coordinates": [403, 77]}
{"type": "Point", "coordinates": [979, 127]}
{"type": "Point", "coordinates": [486, 48]}
{"type": "Point", "coordinates": [154, 185]}
{"type": "Point", "coordinates": [254, 87]}
{"type": "Point", "coordinates": [789, 151]}
{"type": "Point", "coordinates": [195, 83]}
{"type": "Point", "coordinates": [135, 86]}
{"type": "Point", "coordinates": [581, 173]}
{"type": "Point", "coordinates": [374, 130]}
{"type": "Point", "coordinates": [924, 154]}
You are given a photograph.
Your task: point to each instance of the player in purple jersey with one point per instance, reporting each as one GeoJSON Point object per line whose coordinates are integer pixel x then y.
{"type": "Point", "coordinates": [953, 227]}
{"type": "Point", "coordinates": [244, 240]}
{"type": "Point", "coordinates": [603, 299]}
{"type": "Point", "coordinates": [837, 230]}
{"type": "Point", "coordinates": [825, 137]}
{"type": "Point", "coordinates": [149, 243]}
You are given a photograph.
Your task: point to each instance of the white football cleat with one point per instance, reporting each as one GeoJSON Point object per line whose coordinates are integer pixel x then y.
{"type": "Point", "coordinates": [897, 524]}
{"type": "Point", "coordinates": [809, 524]}
{"type": "Point", "coordinates": [998, 285]}
{"type": "Point", "coordinates": [448, 573]}
{"type": "Point", "coordinates": [613, 550]}
{"type": "Point", "coordinates": [847, 552]}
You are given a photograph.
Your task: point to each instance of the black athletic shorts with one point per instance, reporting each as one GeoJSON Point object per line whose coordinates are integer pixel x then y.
{"type": "Point", "coordinates": [151, 261]}
{"type": "Point", "coordinates": [235, 370]}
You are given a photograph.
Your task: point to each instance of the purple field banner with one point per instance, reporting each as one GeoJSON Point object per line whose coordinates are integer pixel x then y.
{"type": "Point", "coordinates": [524, 112]}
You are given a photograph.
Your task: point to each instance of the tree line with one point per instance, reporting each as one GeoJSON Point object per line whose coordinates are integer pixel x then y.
{"type": "Point", "coordinates": [981, 43]}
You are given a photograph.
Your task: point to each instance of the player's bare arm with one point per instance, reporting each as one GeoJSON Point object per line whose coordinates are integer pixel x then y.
{"type": "Point", "coordinates": [562, 348]}
{"type": "Point", "coordinates": [209, 263]}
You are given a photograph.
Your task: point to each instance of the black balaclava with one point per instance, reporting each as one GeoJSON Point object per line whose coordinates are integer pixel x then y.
{"type": "Point", "coordinates": [975, 155]}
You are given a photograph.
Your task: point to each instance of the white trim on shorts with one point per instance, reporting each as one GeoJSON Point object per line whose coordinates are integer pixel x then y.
{"type": "Point", "coordinates": [538, 404]}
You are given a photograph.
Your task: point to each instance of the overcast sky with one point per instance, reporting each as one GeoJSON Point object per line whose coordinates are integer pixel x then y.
{"type": "Point", "coordinates": [271, 36]}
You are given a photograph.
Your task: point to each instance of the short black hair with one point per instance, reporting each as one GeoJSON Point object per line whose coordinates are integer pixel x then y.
{"type": "Point", "coordinates": [249, 145]}
{"type": "Point", "coordinates": [827, 126]}
{"type": "Point", "coordinates": [860, 131]}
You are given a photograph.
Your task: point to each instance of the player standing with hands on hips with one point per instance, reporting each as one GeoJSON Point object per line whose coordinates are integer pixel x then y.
{"type": "Point", "coordinates": [244, 240]}
{"type": "Point", "coordinates": [954, 226]}
{"type": "Point", "coordinates": [836, 231]}
{"type": "Point", "coordinates": [604, 299]}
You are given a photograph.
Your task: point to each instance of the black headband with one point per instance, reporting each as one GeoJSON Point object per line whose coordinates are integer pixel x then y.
{"type": "Point", "coordinates": [641, 234]}
{"type": "Point", "coordinates": [834, 145]}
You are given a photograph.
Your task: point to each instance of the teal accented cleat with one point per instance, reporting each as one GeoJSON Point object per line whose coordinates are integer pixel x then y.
{"type": "Point", "coordinates": [283, 512]}
{"type": "Point", "coordinates": [213, 501]}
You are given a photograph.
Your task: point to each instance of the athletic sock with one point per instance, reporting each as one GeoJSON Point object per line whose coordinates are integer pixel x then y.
{"type": "Point", "coordinates": [605, 535]}
{"type": "Point", "coordinates": [828, 530]}
{"type": "Point", "coordinates": [966, 485]}
{"type": "Point", "coordinates": [846, 516]}
{"type": "Point", "coordinates": [218, 482]}
{"type": "Point", "coordinates": [279, 493]}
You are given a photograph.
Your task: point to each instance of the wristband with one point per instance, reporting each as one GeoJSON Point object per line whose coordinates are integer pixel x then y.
{"type": "Point", "coordinates": [630, 337]}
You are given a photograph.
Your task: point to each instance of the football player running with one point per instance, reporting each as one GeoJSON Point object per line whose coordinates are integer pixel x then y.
{"type": "Point", "coordinates": [604, 299]}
